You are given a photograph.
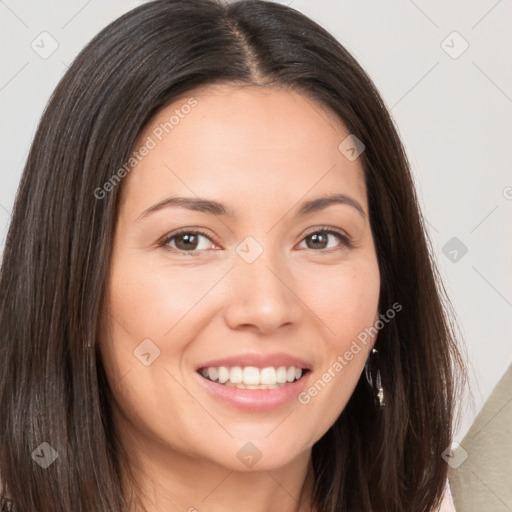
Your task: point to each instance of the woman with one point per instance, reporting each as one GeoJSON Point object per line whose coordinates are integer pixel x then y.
{"type": "Point", "coordinates": [173, 336]}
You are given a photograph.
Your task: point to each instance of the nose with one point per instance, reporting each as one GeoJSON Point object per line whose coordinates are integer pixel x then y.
{"type": "Point", "coordinates": [262, 296]}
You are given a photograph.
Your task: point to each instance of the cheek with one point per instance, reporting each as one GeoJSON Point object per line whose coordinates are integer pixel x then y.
{"type": "Point", "coordinates": [150, 302]}
{"type": "Point", "coordinates": [345, 299]}
{"type": "Point", "coordinates": [144, 305]}
{"type": "Point", "coordinates": [348, 307]}
{"type": "Point", "coordinates": [355, 312]}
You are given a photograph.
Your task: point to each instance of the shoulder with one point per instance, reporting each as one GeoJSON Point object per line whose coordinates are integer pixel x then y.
{"type": "Point", "coordinates": [447, 504]}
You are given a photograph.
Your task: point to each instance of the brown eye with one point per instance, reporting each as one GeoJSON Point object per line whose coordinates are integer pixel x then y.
{"type": "Point", "coordinates": [186, 241]}
{"type": "Point", "coordinates": [319, 239]}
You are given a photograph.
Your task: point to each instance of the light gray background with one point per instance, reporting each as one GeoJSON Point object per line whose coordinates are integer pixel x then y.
{"type": "Point", "coordinates": [453, 114]}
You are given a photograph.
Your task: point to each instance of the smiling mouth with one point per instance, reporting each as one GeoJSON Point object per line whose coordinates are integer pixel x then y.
{"type": "Point", "coordinates": [251, 377]}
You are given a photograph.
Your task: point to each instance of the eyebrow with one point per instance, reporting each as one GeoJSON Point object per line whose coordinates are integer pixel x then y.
{"type": "Point", "coordinates": [215, 208]}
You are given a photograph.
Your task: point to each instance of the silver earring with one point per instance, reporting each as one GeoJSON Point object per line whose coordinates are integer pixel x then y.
{"type": "Point", "coordinates": [378, 390]}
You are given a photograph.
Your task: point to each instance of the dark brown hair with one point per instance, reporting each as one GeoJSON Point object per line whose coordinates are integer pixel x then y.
{"type": "Point", "coordinates": [53, 387]}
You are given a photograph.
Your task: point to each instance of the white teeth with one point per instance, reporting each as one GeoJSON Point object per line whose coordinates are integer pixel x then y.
{"type": "Point", "coordinates": [281, 375]}
{"type": "Point", "coordinates": [268, 375]}
{"type": "Point", "coordinates": [223, 374]}
{"type": "Point", "coordinates": [251, 377]}
{"type": "Point", "coordinates": [236, 375]}
{"type": "Point", "coordinates": [213, 374]}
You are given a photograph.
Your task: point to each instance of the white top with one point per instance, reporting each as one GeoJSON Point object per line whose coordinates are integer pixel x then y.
{"type": "Point", "coordinates": [447, 503]}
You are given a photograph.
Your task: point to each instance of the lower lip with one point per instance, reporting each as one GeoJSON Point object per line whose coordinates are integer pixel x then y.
{"type": "Point", "coordinates": [256, 399]}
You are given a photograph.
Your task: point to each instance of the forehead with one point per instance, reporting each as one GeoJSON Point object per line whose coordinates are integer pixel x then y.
{"type": "Point", "coordinates": [243, 142]}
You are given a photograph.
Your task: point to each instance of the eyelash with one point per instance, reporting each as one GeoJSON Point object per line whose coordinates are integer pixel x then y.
{"type": "Point", "coordinates": [346, 241]}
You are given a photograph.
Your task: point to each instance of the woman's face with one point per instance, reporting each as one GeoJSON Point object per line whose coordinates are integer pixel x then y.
{"type": "Point", "coordinates": [270, 282]}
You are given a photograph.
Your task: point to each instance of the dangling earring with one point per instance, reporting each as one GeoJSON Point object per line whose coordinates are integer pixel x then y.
{"type": "Point", "coordinates": [379, 391]}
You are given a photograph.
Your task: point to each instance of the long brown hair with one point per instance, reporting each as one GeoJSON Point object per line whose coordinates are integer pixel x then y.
{"type": "Point", "coordinates": [53, 387]}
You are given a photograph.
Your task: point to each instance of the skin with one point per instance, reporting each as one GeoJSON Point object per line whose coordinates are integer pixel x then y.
{"type": "Point", "coordinates": [261, 152]}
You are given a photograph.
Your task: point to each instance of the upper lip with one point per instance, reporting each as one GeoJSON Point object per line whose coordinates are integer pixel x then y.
{"type": "Point", "coordinates": [258, 360]}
